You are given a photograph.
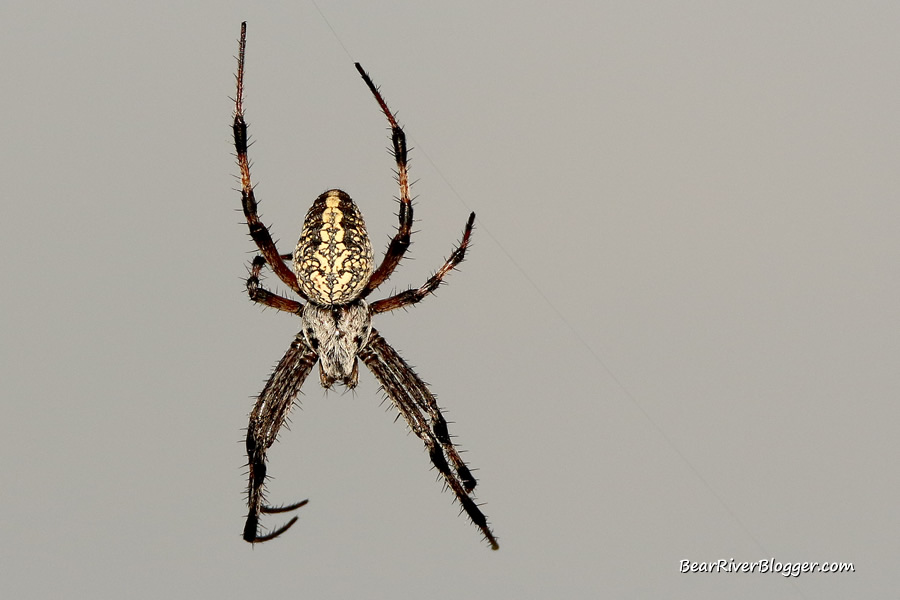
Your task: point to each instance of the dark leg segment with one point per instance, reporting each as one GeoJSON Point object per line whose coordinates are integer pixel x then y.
{"type": "Point", "coordinates": [412, 296]}
{"type": "Point", "coordinates": [267, 417]}
{"type": "Point", "coordinates": [400, 243]}
{"type": "Point", "coordinates": [420, 410]}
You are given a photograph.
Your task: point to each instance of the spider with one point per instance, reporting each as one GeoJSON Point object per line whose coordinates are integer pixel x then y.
{"type": "Point", "coordinates": [334, 272]}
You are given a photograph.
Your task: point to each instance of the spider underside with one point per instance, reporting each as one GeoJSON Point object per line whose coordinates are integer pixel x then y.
{"type": "Point", "coordinates": [333, 273]}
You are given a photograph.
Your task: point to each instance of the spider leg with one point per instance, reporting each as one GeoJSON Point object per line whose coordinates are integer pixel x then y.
{"type": "Point", "coordinates": [267, 417]}
{"type": "Point", "coordinates": [258, 231]}
{"type": "Point", "coordinates": [415, 295]}
{"type": "Point", "coordinates": [418, 406]}
{"type": "Point", "coordinates": [263, 296]}
{"type": "Point", "coordinates": [400, 242]}
{"type": "Point", "coordinates": [423, 398]}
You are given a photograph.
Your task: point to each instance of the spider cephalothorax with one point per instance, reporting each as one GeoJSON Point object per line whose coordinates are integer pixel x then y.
{"type": "Point", "coordinates": [334, 271]}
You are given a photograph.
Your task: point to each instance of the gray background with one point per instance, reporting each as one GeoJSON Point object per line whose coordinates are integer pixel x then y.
{"type": "Point", "coordinates": [675, 337]}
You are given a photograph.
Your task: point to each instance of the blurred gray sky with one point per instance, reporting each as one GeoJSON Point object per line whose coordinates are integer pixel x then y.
{"type": "Point", "coordinates": [676, 336]}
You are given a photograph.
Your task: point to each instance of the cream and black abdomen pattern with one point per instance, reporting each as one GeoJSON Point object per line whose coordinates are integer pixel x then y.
{"type": "Point", "coordinates": [333, 259]}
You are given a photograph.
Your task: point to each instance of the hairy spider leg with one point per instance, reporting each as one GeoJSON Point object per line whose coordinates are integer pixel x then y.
{"type": "Point", "coordinates": [400, 242]}
{"type": "Point", "coordinates": [258, 231]}
{"type": "Point", "coordinates": [263, 296]}
{"type": "Point", "coordinates": [408, 393]}
{"type": "Point", "coordinates": [416, 295]}
{"type": "Point", "coordinates": [268, 416]}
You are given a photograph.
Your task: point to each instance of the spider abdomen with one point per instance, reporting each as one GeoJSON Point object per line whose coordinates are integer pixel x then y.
{"type": "Point", "coordinates": [333, 259]}
{"type": "Point", "coordinates": [337, 334]}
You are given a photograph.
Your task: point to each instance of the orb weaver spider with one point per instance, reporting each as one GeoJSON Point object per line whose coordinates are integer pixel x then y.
{"type": "Point", "coordinates": [334, 272]}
